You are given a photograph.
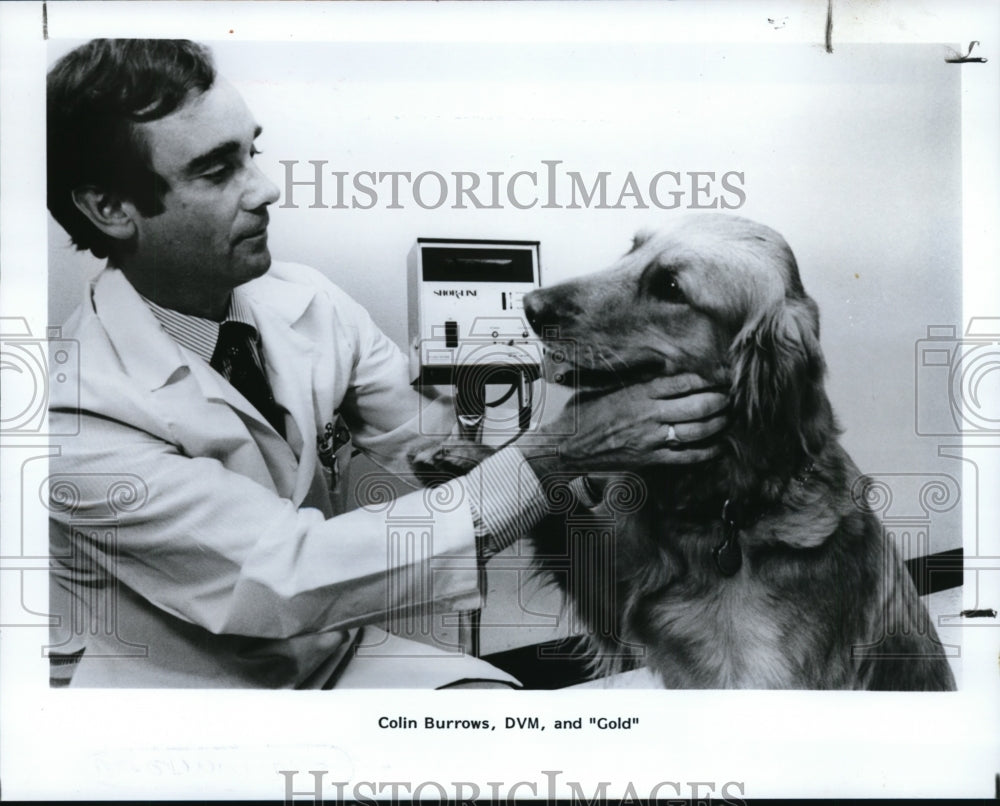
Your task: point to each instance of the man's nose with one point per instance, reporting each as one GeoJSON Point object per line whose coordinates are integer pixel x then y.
{"type": "Point", "coordinates": [260, 191]}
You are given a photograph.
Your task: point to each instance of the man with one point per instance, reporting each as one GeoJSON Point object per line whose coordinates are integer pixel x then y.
{"type": "Point", "coordinates": [193, 538]}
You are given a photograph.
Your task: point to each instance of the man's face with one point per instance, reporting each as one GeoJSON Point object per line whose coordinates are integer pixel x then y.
{"type": "Point", "coordinates": [211, 235]}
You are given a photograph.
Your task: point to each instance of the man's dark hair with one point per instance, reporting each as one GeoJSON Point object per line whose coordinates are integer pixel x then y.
{"type": "Point", "coordinates": [95, 96]}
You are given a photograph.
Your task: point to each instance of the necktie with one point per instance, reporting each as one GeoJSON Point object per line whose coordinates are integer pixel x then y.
{"type": "Point", "coordinates": [237, 360]}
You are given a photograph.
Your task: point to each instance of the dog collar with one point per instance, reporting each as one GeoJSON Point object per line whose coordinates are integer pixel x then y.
{"type": "Point", "coordinates": [729, 553]}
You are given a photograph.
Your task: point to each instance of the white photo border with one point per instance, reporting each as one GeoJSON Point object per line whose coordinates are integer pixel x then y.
{"type": "Point", "coordinates": [61, 744]}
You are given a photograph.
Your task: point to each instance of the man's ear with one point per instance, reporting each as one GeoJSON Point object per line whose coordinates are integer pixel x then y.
{"type": "Point", "coordinates": [106, 211]}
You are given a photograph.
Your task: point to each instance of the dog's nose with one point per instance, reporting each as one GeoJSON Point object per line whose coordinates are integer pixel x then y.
{"type": "Point", "coordinates": [531, 308]}
{"type": "Point", "coordinates": [534, 310]}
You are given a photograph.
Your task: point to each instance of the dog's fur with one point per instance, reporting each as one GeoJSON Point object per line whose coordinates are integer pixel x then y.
{"type": "Point", "coordinates": [822, 600]}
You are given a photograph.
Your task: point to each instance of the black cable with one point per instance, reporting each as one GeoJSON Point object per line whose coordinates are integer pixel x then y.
{"type": "Point", "coordinates": [505, 396]}
{"type": "Point", "coordinates": [525, 399]}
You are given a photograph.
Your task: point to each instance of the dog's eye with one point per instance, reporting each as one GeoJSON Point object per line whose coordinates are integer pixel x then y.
{"type": "Point", "coordinates": [664, 285]}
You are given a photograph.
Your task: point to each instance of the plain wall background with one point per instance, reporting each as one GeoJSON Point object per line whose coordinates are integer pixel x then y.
{"type": "Point", "coordinates": [853, 156]}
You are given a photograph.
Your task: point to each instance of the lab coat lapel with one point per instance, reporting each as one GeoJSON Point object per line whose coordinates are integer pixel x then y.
{"type": "Point", "coordinates": [288, 356]}
{"type": "Point", "coordinates": [279, 309]}
{"type": "Point", "coordinates": [147, 353]}
{"type": "Point", "coordinates": [276, 453]}
{"type": "Point", "coordinates": [197, 404]}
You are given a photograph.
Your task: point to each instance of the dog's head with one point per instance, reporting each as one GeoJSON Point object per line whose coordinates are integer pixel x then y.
{"type": "Point", "coordinates": [715, 295]}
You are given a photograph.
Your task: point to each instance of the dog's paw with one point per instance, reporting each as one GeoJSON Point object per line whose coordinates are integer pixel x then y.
{"type": "Point", "coordinates": [437, 464]}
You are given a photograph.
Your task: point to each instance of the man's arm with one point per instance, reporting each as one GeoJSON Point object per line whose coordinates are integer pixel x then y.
{"type": "Point", "coordinates": [388, 417]}
{"type": "Point", "coordinates": [666, 421]}
{"type": "Point", "coordinates": [215, 548]}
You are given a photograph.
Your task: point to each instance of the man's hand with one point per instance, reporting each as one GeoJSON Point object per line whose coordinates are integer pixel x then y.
{"type": "Point", "coordinates": [666, 421]}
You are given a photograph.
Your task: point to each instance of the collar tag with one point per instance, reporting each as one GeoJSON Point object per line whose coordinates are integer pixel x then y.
{"type": "Point", "coordinates": [729, 554]}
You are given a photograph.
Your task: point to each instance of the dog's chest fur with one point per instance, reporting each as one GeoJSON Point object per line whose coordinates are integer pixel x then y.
{"type": "Point", "coordinates": [722, 631]}
{"type": "Point", "coordinates": [699, 628]}
{"type": "Point", "coordinates": [722, 635]}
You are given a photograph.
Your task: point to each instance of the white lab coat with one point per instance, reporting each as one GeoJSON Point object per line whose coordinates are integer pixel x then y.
{"type": "Point", "coordinates": [192, 546]}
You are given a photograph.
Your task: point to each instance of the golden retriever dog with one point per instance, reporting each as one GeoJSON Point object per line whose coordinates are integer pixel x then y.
{"type": "Point", "coordinates": [759, 568]}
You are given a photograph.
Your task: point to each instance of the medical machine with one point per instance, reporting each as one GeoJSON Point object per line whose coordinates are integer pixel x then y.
{"type": "Point", "coordinates": [467, 325]}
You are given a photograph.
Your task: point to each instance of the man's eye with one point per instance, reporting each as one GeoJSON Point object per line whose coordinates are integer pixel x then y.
{"type": "Point", "coordinates": [224, 170]}
{"type": "Point", "coordinates": [218, 174]}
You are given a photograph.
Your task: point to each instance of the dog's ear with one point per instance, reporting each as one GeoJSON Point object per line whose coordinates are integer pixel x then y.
{"type": "Point", "coordinates": [781, 413]}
